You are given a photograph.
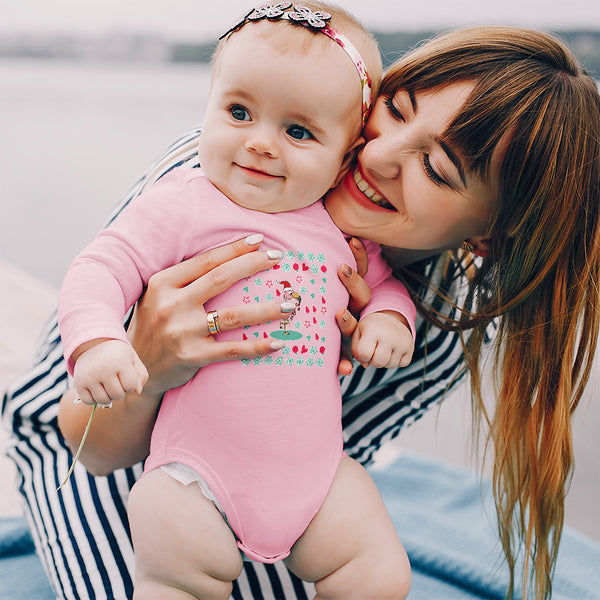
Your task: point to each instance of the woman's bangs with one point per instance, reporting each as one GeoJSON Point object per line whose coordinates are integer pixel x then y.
{"type": "Point", "coordinates": [479, 125]}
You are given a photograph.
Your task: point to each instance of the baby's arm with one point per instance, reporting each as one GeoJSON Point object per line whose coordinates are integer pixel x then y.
{"type": "Point", "coordinates": [385, 333]}
{"type": "Point", "coordinates": [108, 277]}
{"type": "Point", "coordinates": [383, 340]}
{"type": "Point", "coordinates": [107, 370]}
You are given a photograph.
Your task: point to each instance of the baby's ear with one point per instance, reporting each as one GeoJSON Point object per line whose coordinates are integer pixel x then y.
{"type": "Point", "coordinates": [348, 158]}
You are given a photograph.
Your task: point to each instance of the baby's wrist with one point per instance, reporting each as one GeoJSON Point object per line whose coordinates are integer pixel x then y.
{"type": "Point", "coordinates": [85, 347]}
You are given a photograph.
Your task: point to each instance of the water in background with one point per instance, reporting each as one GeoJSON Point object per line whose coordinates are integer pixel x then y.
{"type": "Point", "coordinates": [73, 137]}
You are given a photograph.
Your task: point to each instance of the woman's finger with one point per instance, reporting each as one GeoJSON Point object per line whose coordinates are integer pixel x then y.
{"type": "Point", "coordinates": [223, 276]}
{"type": "Point", "coordinates": [359, 291]}
{"type": "Point", "coordinates": [235, 317]}
{"type": "Point", "coordinates": [345, 366]}
{"type": "Point", "coordinates": [189, 270]}
{"type": "Point", "coordinates": [233, 350]}
{"type": "Point", "coordinates": [360, 256]}
{"type": "Point", "coordinates": [347, 324]}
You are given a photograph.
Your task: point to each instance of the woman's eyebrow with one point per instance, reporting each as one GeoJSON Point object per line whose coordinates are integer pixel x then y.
{"type": "Point", "coordinates": [453, 158]}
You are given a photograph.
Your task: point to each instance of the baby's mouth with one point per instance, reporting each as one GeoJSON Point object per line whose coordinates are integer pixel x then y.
{"type": "Point", "coordinates": [369, 192]}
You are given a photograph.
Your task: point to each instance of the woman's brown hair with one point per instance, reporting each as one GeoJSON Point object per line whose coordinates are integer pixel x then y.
{"type": "Point", "coordinates": [540, 278]}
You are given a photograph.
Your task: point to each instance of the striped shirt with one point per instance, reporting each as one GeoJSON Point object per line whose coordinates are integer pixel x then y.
{"type": "Point", "coordinates": [81, 533]}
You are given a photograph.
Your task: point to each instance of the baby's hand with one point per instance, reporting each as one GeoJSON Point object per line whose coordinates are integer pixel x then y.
{"type": "Point", "coordinates": [383, 339]}
{"type": "Point", "coordinates": [107, 370]}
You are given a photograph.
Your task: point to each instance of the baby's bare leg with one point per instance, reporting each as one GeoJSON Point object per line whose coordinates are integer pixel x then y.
{"type": "Point", "coordinates": [350, 549]}
{"type": "Point", "coordinates": [183, 546]}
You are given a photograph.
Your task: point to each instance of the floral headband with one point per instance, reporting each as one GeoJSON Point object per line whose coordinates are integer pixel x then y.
{"type": "Point", "coordinates": [316, 21]}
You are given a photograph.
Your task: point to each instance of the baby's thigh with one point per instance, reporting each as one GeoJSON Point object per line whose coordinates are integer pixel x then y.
{"type": "Point", "coordinates": [179, 537]}
{"type": "Point", "coordinates": [351, 548]}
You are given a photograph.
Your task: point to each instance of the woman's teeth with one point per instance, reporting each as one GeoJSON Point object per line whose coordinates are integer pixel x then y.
{"type": "Point", "coordinates": [369, 192]}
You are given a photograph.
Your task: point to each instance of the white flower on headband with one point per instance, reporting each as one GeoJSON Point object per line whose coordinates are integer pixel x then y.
{"type": "Point", "coordinates": [271, 11]}
{"type": "Point", "coordinates": [314, 19]}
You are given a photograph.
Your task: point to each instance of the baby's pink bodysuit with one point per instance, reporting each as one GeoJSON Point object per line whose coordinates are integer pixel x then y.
{"type": "Point", "coordinates": [264, 433]}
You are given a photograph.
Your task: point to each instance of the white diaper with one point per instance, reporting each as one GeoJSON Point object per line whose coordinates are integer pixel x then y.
{"type": "Point", "coordinates": [187, 475]}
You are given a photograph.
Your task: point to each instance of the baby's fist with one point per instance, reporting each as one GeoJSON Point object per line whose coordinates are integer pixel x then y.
{"type": "Point", "coordinates": [108, 370]}
{"type": "Point", "coordinates": [383, 340]}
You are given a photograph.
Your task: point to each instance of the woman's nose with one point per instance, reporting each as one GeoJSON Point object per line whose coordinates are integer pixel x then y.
{"type": "Point", "coordinates": [382, 158]}
{"type": "Point", "coordinates": [262, 142]}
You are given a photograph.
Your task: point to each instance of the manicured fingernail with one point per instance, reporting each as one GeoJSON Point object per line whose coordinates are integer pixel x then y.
{"type": "Point", "coordinates": [288, 307]}
{"type": "Point", "coordinates": [345, 316]}
{"type": "Point", "coordinates": [274, 254]}
{"type": "Point", "coordinates": [356, 243]}
{"type": "Point", "coordinates": [255, 238]}
{"type": "Point", "coordinates": [276, 345]}
{"type": "Point", "coordinates": [346, 270]}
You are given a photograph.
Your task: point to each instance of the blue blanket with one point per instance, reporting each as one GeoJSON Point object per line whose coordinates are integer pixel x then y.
{"type": "Point", "coordinates": [21, 573]}
{"type": "Point", "coordinates": [445, 518]}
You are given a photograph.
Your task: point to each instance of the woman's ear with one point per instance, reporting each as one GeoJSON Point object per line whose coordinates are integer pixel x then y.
{"type": "Point", "coordinates": [479, 245]}
{"type": "Point", "coordinates": [347, 160]}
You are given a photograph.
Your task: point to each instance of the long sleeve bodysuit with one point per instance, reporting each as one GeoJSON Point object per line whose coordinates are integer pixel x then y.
{"type": "Point", "coordinates": [265, 433]}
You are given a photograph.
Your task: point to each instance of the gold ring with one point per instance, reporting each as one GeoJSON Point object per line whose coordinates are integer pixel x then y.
{"type": "Point", "coordinates": [212, 318]}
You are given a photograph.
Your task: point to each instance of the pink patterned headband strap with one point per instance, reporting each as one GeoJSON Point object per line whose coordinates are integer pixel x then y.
{"type": "Point", "coordinates": [316, 21]}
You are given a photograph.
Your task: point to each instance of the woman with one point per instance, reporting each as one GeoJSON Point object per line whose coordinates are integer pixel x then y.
{"type": "Point", "coordinates": [513, 168]}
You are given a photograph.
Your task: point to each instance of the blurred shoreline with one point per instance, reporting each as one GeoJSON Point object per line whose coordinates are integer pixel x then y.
{"type": "Point", "coordinates": [154, 48]}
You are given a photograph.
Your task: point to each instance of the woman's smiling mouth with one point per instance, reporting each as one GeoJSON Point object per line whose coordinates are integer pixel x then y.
{"type": "Point", "coordinates": [369, 192]}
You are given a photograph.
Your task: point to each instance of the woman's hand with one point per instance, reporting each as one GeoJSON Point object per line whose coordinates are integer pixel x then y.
{"type": "Point", "coordinates": [169, 331]}
{"type": "Point", "coordinates": [360, 294]}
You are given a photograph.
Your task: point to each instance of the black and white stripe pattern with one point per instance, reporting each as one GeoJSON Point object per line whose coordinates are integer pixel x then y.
{"type": "Point", "coordinates": [81, 533]}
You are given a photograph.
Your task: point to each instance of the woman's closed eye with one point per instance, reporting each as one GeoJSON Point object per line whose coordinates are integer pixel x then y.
{"type": "Point", "coordinates": [393, 109]}
{"type": "Point", "coordinates": [431, 173]}
{"type": "Point", "coordinates": [299, 133]}
{"type": "Point", "coordinates": [239, 113]}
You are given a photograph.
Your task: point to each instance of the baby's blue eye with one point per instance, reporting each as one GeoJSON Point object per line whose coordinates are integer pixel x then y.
{"type": "Point", "coordinates": [299, 133]}
{"type": "Point", "coordinates": [239, 113]}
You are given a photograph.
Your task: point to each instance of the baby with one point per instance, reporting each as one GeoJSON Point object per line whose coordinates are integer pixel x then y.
{"type": "Point", "coordinates": [259, 440]}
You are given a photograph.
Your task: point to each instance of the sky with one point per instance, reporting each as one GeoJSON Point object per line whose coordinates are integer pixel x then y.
{"type": "Point", "coordinates": [202, 20]}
